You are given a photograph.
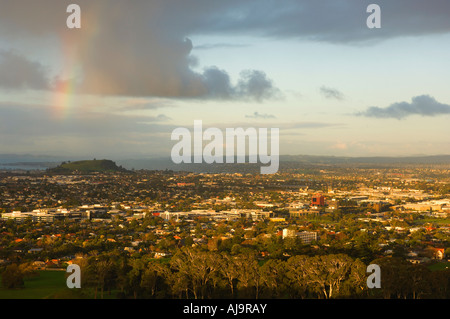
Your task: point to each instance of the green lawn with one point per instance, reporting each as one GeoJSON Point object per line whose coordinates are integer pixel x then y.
{"type": "Point", "coordinates": [440, 266]}
{"type": "Point", "coordinates": [48, 285]}
{"type": "Point", "coordinates": [437, 221]}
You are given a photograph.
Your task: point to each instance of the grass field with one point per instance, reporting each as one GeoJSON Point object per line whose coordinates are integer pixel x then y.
{"type": "Point", "coordinates": [437, 221]}
{"type": "Point", "coordinates": [51, 285]}
{"type": "Point", "coordinates": [48, 285]}
{"type": "Point", "coordinates": [440, 266]}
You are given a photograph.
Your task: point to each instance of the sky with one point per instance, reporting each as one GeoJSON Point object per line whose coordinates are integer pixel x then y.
{"type": "Point", "coordinates": [136, 70]}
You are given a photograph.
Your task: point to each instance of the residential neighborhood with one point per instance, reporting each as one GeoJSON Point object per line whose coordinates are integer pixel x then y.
{"type": "Point", "coordinates": [51, 221]}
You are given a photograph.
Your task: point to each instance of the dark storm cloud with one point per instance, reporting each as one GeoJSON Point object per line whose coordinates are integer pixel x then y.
{"type": "Point", "coordinates": [143, 48]}
{"type": "Point", "coordinates": [18, 72]}
{"type": "Point", "coordinates": [123, 49]}
{"type": "Point", "coordinates": [342, 21]}
{"type": "Point", "coordinates": [423, 105]}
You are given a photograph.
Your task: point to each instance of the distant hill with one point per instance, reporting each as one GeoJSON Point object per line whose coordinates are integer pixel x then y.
{"type": "Point", "coordinates": [53, 164]}
{"type": "Point", "coordinates": [289, 161]}
{"type": "Point", "coordinates": [86, 167]}
{"type": "Point", "coordinates": [424, 159]}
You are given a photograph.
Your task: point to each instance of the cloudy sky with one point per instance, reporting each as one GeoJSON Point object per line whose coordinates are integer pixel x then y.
{"type": "Point", "coordinates": [138, 69]}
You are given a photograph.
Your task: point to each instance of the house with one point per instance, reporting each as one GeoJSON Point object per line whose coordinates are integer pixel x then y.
{"type": "Point", "coordinates": [161, 254]}
{"type": "Point", "coordinates": [34, 250]}
{"type": "Point", "coordinates": [434, 252]}
{"type": "Point", "coordinates": [51, 263]}
{"type": "Point", "coordinates": [439, 253]}
{"type": "Point", "coordinates": [39, 264]}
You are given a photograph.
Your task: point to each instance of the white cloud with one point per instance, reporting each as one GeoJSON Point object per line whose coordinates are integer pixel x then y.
{"type": "Point", "coordinates": [331, 93]}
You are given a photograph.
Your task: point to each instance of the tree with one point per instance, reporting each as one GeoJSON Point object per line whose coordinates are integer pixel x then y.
{"type": "Point", "coordinates": [105, 272]}
{"type": "Point", "coordinates": [357, 283]}
{"type": "Point", "coordinates": [122, 269]}
{"type": "Point", "coordinates": [419, 280]}
{"type": "Point", "coordinates": [196, 268]}
{"type": "Point", "coordinates": [272, 274]}
{"type": "Point", "coordinates": [12, 277]}
{"type": "Point", "coordinates": [394, 277]}
{"type": "Point", "coordinates": [440, 284]}
{"type": "Point", "coordinates": [92, 275]}
{"type": "Point", "coordinates": [296, 275]}
{"type": "Point", "coordinates": [230, 271]}
{"type": "Point", "coordinates": [249, 274]}
{"type": "Point", "coordinates": [321, 275]}
{"type": "Point", "coordinates": [134, 276]}
{"type": "Point", "coordinates": [338, 267]}
{"type": "Point", "coordinates": [154, 279]}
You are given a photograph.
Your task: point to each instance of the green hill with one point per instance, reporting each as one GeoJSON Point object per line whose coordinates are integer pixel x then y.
{"type": "Point", "coordinates": [86, 167]}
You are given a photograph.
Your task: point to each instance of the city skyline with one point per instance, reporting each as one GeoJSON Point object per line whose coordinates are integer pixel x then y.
{"type": "Point", "coordinates": [118, 86]}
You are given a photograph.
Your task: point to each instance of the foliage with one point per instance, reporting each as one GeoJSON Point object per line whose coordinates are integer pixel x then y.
{"type": "Point", "coordinates": [12, 277]}
{"type": "Point", "coordinates": [201, 274]}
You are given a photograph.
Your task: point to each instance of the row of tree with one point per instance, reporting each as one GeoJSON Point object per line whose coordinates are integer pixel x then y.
{"type": "Point", "coordinates": [193, 273]}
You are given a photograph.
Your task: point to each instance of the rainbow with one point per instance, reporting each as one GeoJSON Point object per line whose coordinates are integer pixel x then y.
{"type": "Point", "coordinates": [74, 44]}
{"type": "Point", "coordinates": [65, 86]}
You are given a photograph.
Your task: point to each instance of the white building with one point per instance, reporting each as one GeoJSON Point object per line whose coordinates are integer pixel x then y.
{"type": "Point", "coordinates": [306, 236]}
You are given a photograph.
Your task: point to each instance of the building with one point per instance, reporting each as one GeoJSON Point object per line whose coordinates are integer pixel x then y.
{"type": "Point", "coordinates": [46, 216]}
{"type": "Point", "coordinates": [36, 216]}
{"type": "Point", "coordinates": [302, 213]}
{"type": "Point", "coordinates": [318, 200]}
{"type": "Point", "coordinates": [305, 236]}
{"type": "Point", "coordinates": [438, 253]}
{"type": "Point", "coordinates": [334, 204]}
{"type": "Point", "coordinates": [288, 233]}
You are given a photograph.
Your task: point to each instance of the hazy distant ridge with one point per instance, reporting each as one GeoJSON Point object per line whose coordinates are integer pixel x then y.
{"type": "Point", "coordinates": [161, 163]}
{"type": "Point", "coordinates": [166, 163]}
